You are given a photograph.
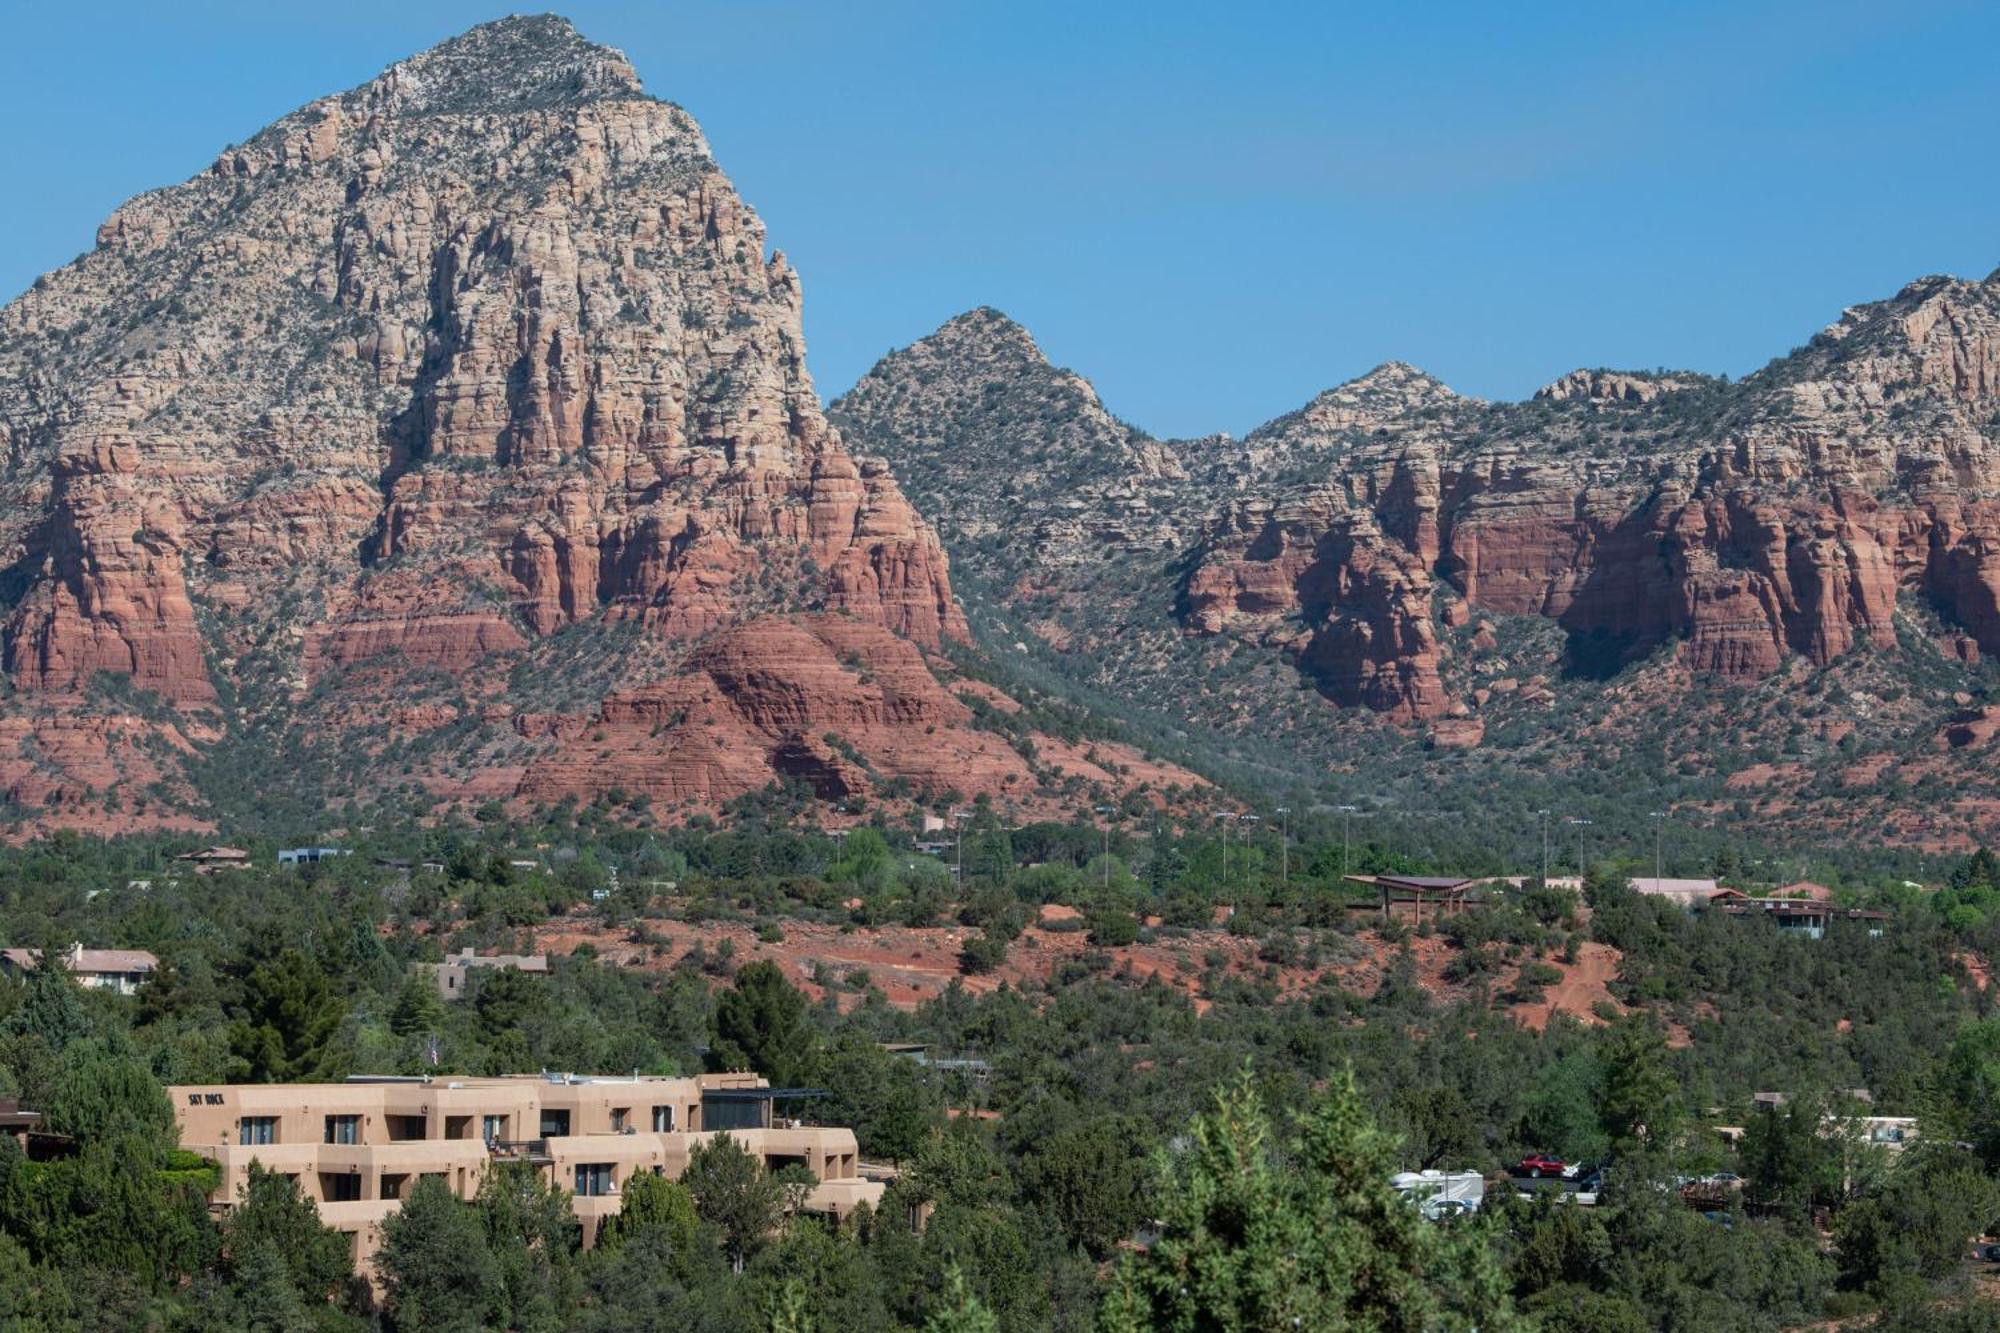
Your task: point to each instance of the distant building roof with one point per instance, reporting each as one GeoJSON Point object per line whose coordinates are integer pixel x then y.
{"type": "Point", "coordinates": [1415, 883]}
{"type": "Point", "coordinates": [215, 854]}
{"type": "Point", "coordinates": [1805, 888]}
{"type": "Point", "coordinates": [524, 962]}
{"type": "Point", "coordinates": [1692, 890]}
{"type": "Point", "coordinates": [79, 959]}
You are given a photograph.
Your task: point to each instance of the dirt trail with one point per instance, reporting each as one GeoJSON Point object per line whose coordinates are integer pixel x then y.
{"type": "Point", "coordinates": [1586, 983]}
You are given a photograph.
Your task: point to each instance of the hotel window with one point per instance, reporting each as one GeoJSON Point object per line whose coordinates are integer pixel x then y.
{"type": "Point", "coordinates": [555, 1124]}
{"type": "Point", "coordinates": [339, 1187]}
{"type": "Point", "coordinates": [663, 1119]}
{"type": "Point", "coordinates": [343, 1129]}
{"type": "Point", "coordinates": [493, 1128]}
{"type": "Point", "coordinates": [621, 1117]}
{"type": "Point", "coordinates": [256, 1129]}
{"type": "Point", "coordinates": [593, 1178]}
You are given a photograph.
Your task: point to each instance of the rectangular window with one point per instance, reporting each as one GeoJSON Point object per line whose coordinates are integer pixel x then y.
{"type": "Point", "coordinates": [256, 1129]}
{"type": "Point", "coordinates": [343, 1129]}
{"type": "Point", "coordinates": [555, 1124]}
{"type": "Point", "coordinates": [493, 1128]}
{"type": "Point", "coordinates": [339, 1186]}
{"type": "Point", "coordinates": [663, 1119]}
{"type": "Point", "coordinates": [620, 1117]}
{"type": "Point", "coordinates": [593, 1178]}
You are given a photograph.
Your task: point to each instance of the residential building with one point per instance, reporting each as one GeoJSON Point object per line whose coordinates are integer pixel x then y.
{"type": "Point", "coordinates": [357, 1148]}
{"type": "Point", "coordinates": [120, 970]}
{"type": "Point", "coordinates": [1685, 893]}
{"type": "Point", "coordinates": [209, 860]}
{"type": "Point", "coordinates": [25, 1128]}
{"type": "Point", "coordinates": [301, 856]}
{"type": "Point", "coordinates": [1800, 916]}
{"type": "Point", "coordinates": [452, 974]}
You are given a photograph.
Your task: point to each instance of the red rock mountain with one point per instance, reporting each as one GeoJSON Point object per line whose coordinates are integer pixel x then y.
{"type": "Point", "coordinates": [350, 437]}
{"type": "Point", "coordinates": [1426, 558]}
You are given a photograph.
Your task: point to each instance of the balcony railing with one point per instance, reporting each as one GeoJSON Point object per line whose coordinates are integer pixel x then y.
{"type": "Point", "coordinates": [519, 1150]}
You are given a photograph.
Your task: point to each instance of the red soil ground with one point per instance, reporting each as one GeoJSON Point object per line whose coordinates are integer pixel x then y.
{"type": "Point", "coordinates": [911, 965]}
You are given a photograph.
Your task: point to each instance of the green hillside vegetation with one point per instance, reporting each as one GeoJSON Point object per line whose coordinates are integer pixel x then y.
{"type": "Point", "coordinates": [1262, 1125]}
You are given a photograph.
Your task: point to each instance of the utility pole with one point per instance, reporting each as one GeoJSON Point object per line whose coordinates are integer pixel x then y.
{"type": "Point", "coordinates": [1346, 832]}
{"type": "Point", "coordinates": [1544, 816]}
{"type": "Point", "coordinates": [1284, 845]}
{"type": "Point", "coordinates": [1659, 823]}
{"type": "Point", "coordinates": [1105, 812]}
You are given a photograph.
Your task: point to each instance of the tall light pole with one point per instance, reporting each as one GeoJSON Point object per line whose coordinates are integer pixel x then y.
{"type": "Point", "coordinates": [1225, 816]}
{"type": "Point", "coordinates": [1544, 816]}
{"type": "Point", "coordinates": [1579, 825]}
{"type": "Point", "coordinates": [1346, 831]}
{"type": "Point", "coordinates": [1659, 823]}
{"type": "Point", "coordinates": [1284, 843]}
{"type": "Point", "coordinates": [958, 818]}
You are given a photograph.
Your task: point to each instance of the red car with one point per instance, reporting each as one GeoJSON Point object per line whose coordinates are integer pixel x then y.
{"type": "Point", "coordinates": [1540, 1164]}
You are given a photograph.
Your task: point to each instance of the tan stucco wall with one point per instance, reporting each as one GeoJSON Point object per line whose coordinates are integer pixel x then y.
{"type": "Point", "coordinates": [442, 1122]}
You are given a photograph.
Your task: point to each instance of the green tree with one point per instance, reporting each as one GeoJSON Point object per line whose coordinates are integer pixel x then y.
{"type": "Point", "coordinates": [273, 1220]}
{"type": "Point", "coordinates": [1914, 1230]}
{"type": "Point", "coordinates": [732, 1192]}
{"type": "Point", "coordinates": [1088, 1179]}
{"type": "Point", "coordinates": [960, 1311]}
{"type": "Point", "coordinates": [438, 1271]}
{"type": "Point", "coordinates": [652, 1204]}
{"type": "Point", "coordinates": [762, 1023]}
{"type": "Point", "coordinates": [289, 1018]}
{"type": "Point", "coordinates": [1259, 1233]}
{"type": "Point", "coordinates": [418, 1009]}
{"type": "Point", "coordinates": [534, 1238]}
{"type": "Point", "coordinates": [102, 1093]}
{"type": "Point", "coordinates": [1641, 1095]}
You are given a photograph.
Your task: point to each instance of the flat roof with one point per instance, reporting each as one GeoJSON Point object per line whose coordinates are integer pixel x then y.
{"type": "Point", "coordinates": [1438, 883]}
{"type": "Point", "coordinates": [761, 1094]}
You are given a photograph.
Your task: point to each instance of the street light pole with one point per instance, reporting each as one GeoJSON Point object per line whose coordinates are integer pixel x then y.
{"type": "Point", "coordinates": [1659, 823]}
{"type": "Point", "coordinates": [1346, 832]}
{"type": "Point", "coordinates": [1579, 825]}
{"type": "Point", "coordinates": [1225, 816]}
{"type": "Point", "coordinates": [958, 818]}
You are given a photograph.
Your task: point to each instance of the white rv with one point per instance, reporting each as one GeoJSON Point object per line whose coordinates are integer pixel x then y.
{"type": "Point", "coordinates": [1441, 1194]}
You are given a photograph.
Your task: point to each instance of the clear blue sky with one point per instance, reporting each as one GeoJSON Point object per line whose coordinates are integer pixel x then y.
{"type": "Point", "coordinates": [1213, 210]}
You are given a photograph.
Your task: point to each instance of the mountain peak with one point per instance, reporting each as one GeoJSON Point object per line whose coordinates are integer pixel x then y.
{"type": "Point", "coordinates": [521, 63]}
{"type": "Point", "coordinates": [991, 334]}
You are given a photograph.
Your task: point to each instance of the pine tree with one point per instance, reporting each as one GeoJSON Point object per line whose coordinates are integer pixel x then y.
{"type": "Point", "coordinates": [961, 1311]}
{"type": "Point", "coordinates": [1307, 1233]}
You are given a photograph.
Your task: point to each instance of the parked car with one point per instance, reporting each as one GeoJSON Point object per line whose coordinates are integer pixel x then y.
{"type": "Point", "coordinates": [1986, 1250]}
{"type": "Point", "coordinates": [1437, 1210]}
{"type": "Point", "coordinates": [1729, 1180]}
{"type": "Point", "coordinates": [1540, 1164]}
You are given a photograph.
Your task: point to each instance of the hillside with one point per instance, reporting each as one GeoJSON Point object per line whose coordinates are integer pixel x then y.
{"type": "Point", "coordinates": [1767, 598]}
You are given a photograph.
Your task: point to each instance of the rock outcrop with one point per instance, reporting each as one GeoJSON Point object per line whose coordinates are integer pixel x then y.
{"type": "Point", "coordinates": [1788, 515]}
{"type": "Point", "coordinates": [430, 373]}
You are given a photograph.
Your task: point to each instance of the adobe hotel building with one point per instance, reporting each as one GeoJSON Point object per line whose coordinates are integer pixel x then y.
{"type": "Point", "coordinates": [357, 1148]}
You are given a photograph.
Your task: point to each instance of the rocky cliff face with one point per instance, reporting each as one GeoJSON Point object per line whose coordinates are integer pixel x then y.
{"type": "Point", "coordinates": [1745, 524]}
{"type": "Point", "coordinates": [1380, 540]}
{"type": "Point", "coordinates": [422, 377]}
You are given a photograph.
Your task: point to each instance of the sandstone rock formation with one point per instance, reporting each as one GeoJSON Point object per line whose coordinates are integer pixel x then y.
{"type": "Point", "coordinates": [1745, 524]}
{"type": "Point", "coordinates": [420, 378]}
